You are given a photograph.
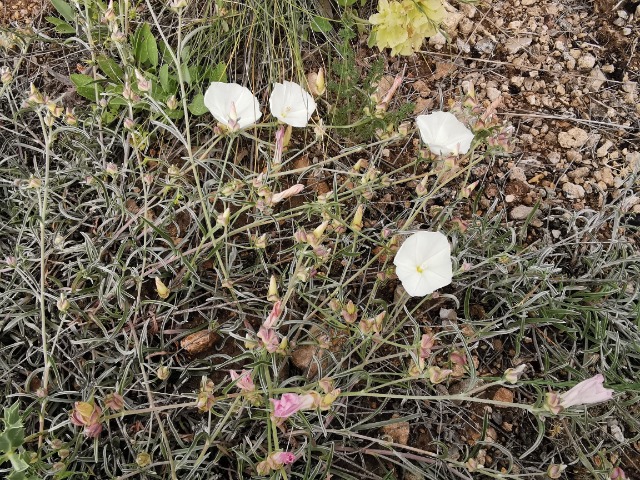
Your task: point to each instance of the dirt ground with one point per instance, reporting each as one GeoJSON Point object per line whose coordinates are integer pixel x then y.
{"type": "Point", "coordinates": [22, 12]}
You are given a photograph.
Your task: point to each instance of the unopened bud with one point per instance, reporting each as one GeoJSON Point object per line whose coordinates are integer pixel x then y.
{"type": "Point", "coordinates": [223, 218]}
{"type": "Point", "coordinates": [143, 459]}
{"type": "Point", "coordinates": [172, 102]}
{"type": "Point", "coordinates": [5, 75]}
{"type": "Point", "coordinates": [356, 223]}
{"type": "Point", "coordinates": [63, 304]}
{"type": "Point", "coordinates": [162, 290]}
{"type": "Point", "coordinates": [163, 372]}
{"type": "Point", "coordinates": [555, 471]}
{"type": "Point", "coordinates": [272, 295]}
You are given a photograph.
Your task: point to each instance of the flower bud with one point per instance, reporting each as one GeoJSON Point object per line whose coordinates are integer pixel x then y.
{"type": "Point", "coordinates": [162, 290]}
{"type": "Point", "coordinates": [129, 123]}
{"type": "Point", "coordinates": [63, 304]}
{"type": "Point", "coordinates": [177, 5]}
{"type": "Point", "coordinates": [114, 401]}
{"type": "Point", "coordinates": [172, 102]}
{"type": "Point", "coordinates": [272, 295]}
{"type": "Point", "coordinates": [163, 372]}
{"type": "Point", "coordinates": [356, 223]}
{"type": "Point", "coordinates": [350, 312]}
{"type": "Point", "coordinates": [144, 85]}
{"type": "Point", "coordinates": [34, 182]}
{"type": "Point", "coordinates": [223, 218]}
{"type": "Point", "coordinates": [512, 375]}
{"type": "Point", "coordinates": [5, 75]}
{"type": "Point", "coordinates": [70, 117]}
{"type": "Point", "coordinates": [438, 375]}
{"type": "Point", "coordinates": [261, 241]}
{"type": "Point", "coordinates": [143, 459]}
{"type": "Point", "coordinates": [555, 471]}
{"type": "Point", "coordinates": [316, 82]}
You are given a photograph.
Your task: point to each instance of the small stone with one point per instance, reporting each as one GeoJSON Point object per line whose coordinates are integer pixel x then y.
{"type": "Point", "coordinates": [574, 138]}
{"type": "Point", "coordinates": [514, 45]}
{"type": "Point", "coordinates": [520, 212]}
{"type": "Point", "coordinates": [510, 198]}
{"type": "Point", "coordinates": [553, 157]}
{"type": "Point", "coordinates": [586, 62]}
{"type": "Point", "coordinates": [503, 395]}
{"type": "Point", "coordinates": [517, 173]}
{"type": "Point", "coordinates": [596, 79]}
{"type": "Point", "coordinates": [574, 157]}
{"type": "Point", "coordinates": [528, 3]}
{"type": "Point", "coordinates": [493, 93]}
{"type": "Point", "coordinates": [604, 149]}
{"type": "Point", "coordinates": [572, 190]}
{"type": "Point", "coordinates": [556, 233]}
{"type": "Point", "coordinates": [438, 40]}
{"type": "Point", "coordinates": [399, 432]}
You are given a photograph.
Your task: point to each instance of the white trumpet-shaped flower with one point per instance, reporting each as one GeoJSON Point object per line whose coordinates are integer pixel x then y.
{"type": "Point", "coordinates": [291, 104]}
{"type": "Point", "coordinates": [423, 263]}
{"type": "Point", "coordinates": [232, 105]}
{"type": "Point", "coordinates": [444, 134]}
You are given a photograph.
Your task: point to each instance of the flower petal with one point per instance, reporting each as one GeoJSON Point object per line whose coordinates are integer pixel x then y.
{"type": "Point", "coordinates": [444, 133]}
{"type": "Point", "coordinates": [219, 97]}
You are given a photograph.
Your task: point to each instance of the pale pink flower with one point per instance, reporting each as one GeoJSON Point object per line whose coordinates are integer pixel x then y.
{"type": "Point", "coordinates": [269, 338]}
{"type": "Point", "coordinates": [586, 392]}
{"type": "Point", "coordinates": [291, 403]}
{"type": "Point", "coordinates": [277, 156]}
{"type": "Point", "coordinates": [617, 474]}
{"type": "Point", "coordinates": [283, 458]}
{"type": "Point", "coordinates": [289, 192]}
{"type": "Point", "coordinates": [271, 320]}
{"type": "Point", "coordinates": [244, 381]}
{"type": "Point", "coordinates": [426, 344]}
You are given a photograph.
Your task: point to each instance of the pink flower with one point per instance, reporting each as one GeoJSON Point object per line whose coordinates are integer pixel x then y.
{"type": "Point", "coordinates": [269, 338]}
{"type": "Point", "coordinates": [586, 392]}
{"type": "Point", "coordinates": [289, 192]}
{"type": "Point", "coordinates": [244, 380]}
{"type": "Point", "coordinates": [271, 320]}
{"type": "Point", "coordinates": [426, 344]}
{"type": "Point", "coordinates": [291, 403]}
{"type": "Point", "coordinates": [617, 474]}
{"type": "Point", "coordinates": [283, 458]}
{"type": "Point", "coordinates": [93, 431]}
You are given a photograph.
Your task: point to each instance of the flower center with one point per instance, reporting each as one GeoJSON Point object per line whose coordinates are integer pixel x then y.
{"type": "Point", "coordinates": [285, 111]}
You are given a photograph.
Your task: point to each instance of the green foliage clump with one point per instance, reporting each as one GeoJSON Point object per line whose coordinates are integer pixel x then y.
{"type": "Point", "coordinates": [403, 26]}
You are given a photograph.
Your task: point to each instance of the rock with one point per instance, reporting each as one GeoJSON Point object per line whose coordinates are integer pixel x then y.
{"type": "Point", "coordinates": [528, 3]}
{"type": "Point", "coordinates": [571, 190]}
{"type": "Point", "coordinates": [514, 45]}
{"type": "Point", "coordinates": [438, 41]}
{"type": "Point", "coordinates": [604, 149]}
{"type": "Point", "coordinates": [517, 173]}
{"type": "Point", "coordinates": [503, 395]}
{"type": "Point", "coordinates": [399, 432]}
{"type": "Point", "coordinates": [574, 138]}
{"type": "Point", "coordinates": [596, 79]}
{"type": "Point", "coordinates": [520, 212]}
{"type": "Point", "coordinates": [586, 62]}
{"type": "Point", "coordinates": [493, 93]}
{"type": "Point", "coordinates": [553, 157]}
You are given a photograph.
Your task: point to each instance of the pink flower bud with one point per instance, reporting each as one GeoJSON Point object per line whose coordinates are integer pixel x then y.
{"type": "Point", "coordinates": [243, 380]}
{"type": "Point", "coordinates": [586, 392]}
{"type": "Point", "coordinates": [289, 192]}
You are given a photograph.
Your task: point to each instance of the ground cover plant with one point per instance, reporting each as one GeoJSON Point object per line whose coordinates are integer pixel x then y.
{"type": "Point", "coordinates": [298, 239]}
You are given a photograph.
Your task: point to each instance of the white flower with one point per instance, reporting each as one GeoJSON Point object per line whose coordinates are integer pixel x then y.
{"type": "Point", "coordinates": [291, 104]}
{"type": "Point", "coordinates": [586, 392]}
{"type": "Point", "coordinates": [232, 105]}
{"type": "Point", "coordinates": [423, 263]}
{"type": "Point", "coordinates": [444, 134]}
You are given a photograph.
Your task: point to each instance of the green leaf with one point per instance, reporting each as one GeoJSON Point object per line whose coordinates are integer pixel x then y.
{"type": "Point", "coordinates": [320, 24]}
{"type": "Point", "coordinates": [186, 75]}
{"type": "Point", "coordinates": [196, 107]}
{"type": "Point", "coordinates": [85, 86]}
{"type": "Point", "coordinates": [17, 462]}
{"type": "Point", "coordinates": [110, 68]}
{"type": "Point", "coordinates": [65, 10]}
{"type": "Point", "coordinates": [346, 3]}
{"type": "Point", "coordinates": [15, 437]}
{"type": "Point", "coordinates": [218, 73]}
{"type": "Point", "coordinates": [61, 25]}
{"type": "Point", "coordinates": [5, 443]}
{"type": "Point", "coordinates": [163, 75]}
{"type": "Point", "coordinates": [12, 415]}
{"type": "Point", "coordinates": [145, 47]}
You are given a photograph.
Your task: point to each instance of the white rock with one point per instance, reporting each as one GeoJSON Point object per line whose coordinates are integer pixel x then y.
{"type": "Point", "coordinates": [586, 62]}
{"type": "Point", "coordinates": [520, 212]}
{"type": "Point", "coordinates": [571, 190]}
{"type": "Point", "coordinates": [604, 149]}
{"type": "Point", "coordinates": [493, 93]}
{"type": "Point", "coordinates": [574, 138]}
{"type": "Point", "coordinates": [514, 45]}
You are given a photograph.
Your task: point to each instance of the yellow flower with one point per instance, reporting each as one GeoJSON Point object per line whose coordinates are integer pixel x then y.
{"type": "Point", "coordinates": [403, 26]}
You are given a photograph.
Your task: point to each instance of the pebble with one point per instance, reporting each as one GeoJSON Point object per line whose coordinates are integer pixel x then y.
{"type": "Point", "coordinates": [586, 62]}
{"type": "Point", "coordinates": [574, 138]}
{"type": "Point", "coordinates": [517, 173]}
{"type": "Point", "coordinates": [604, 149]}
{"type": "Point", "coordinates": [520, 212]}
{"type": "Point", "coordinates": [572, 190]}
{"type": "Point", "coordinates": [493, 93]}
